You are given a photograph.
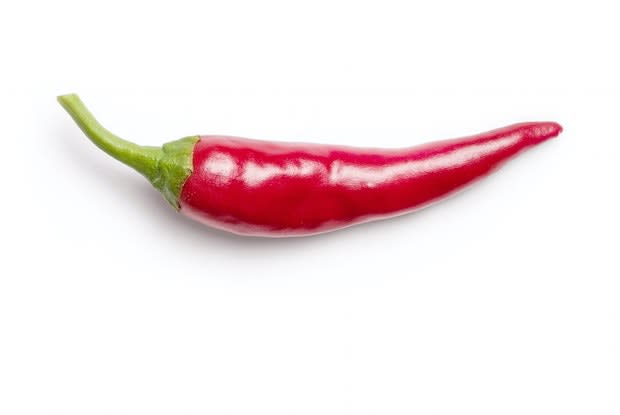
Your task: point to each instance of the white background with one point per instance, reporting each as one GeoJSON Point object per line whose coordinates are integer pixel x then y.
{"type": "Point", "coordinates": [502, 300]}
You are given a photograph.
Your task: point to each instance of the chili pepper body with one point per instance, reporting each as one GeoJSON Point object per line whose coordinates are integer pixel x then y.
{"type": "Point", "coordinates": [260, 188]}
{"type": "Point", "coordinates": [276, 189]}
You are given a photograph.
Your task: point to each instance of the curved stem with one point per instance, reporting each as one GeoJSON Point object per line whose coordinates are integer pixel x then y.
{"type": "Point", "coordinates": [141, 158]}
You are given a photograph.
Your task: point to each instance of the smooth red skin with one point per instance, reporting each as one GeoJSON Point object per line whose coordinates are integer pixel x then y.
{"type": "Point", "coordinates": [264, 188]}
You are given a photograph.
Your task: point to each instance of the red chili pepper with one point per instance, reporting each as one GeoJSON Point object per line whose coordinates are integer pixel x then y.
{"type": "Point", "coordinates": [264, 188]}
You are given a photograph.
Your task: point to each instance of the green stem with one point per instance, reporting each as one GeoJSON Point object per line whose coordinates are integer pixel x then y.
{"type": "Point", "coordinates": [166, 167]}
{"type": "Point", "coordinates": [143, 159]}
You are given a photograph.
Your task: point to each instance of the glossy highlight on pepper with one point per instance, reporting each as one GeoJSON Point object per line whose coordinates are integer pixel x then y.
{"type": "Point", "coordinates": [266, 188]}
